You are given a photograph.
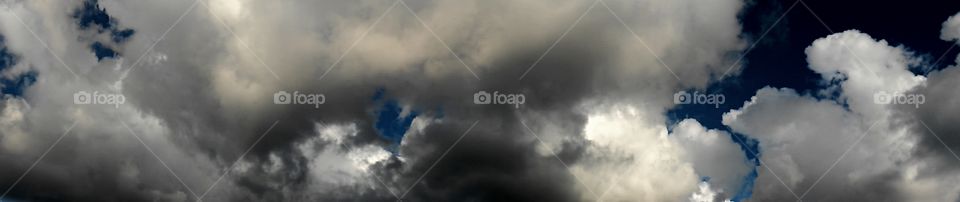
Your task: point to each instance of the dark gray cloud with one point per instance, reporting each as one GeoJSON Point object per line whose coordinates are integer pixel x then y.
{"type": "Point", "coordinates": [487, 165]}
{"type": "Point", "coordinates": [937, 127]}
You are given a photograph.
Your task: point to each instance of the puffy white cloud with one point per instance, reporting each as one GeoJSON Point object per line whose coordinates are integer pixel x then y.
{"type": "Point", "coordinates": [713, 154]}
{"type": "Point", "coordinates": [951, 28]}
{"type": "Point", "coordinates": [630, 147]}
{"type": "Point", "coordinates": [705, 194]}
{"type": "Point", "coordinates": [862, 67]}
{"type": "Point", "coordinates": [802, 136]}
{"type": "Point", "coordinates": [636, 159]}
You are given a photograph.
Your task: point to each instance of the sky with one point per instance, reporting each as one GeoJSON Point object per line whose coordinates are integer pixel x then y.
{"type": "Point", "coordinates": [479, 100]}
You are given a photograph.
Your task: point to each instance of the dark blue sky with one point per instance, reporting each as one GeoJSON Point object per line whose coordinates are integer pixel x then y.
{"type": "Point", "coordinates": [390, 121]}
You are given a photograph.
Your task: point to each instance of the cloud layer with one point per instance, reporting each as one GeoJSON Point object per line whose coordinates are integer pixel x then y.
{"type": "Point", "coordinates": [199, 96]}
{"type": "Point", "coordinates": [199, 119]}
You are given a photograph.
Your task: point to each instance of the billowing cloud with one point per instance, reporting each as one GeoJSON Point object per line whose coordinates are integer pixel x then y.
{"type": "Point", "coordinates": [933, 119]}
{"type": "Point", "coordinates": [854, 146]}
{"type": "Point", "coordinates": [199, 89]}
{"type": "Point", "coordinates": [951, 29]}
{"type": "Point", "coordinates": [638, 160]}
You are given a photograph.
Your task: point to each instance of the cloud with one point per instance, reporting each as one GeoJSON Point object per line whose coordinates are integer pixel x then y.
{"type": "Point", "coordinates": [932, 120]}
{"type": "Point", "coordinates": [705, 194]}
{"type": "Point", "coordinates": [200, 96]}
{"type": "Point", "coordinates": [713, 155]}
{"type": "Point", "coordinates": [630, 148]}
{"type": "Point", "coordinates": [879, 150]}
{"type": "Point", "coordinates": [798, 143]}
{"type": "Point", "coordinates": [951, 29]}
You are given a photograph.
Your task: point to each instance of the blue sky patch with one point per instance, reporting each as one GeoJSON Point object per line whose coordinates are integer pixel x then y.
{"type": "Point", "coordinates": [120, 36]}
{"type": "Point", "coordinates": [19, 83]}
{"type": "Point", "coordinates": [102, 51]}
{"type": "Point", "coordinates": [389, 123]}
{"type": "Point", "coordinates": [7, 59]}
{"type": "Point", "coordinates": [91, 15]}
